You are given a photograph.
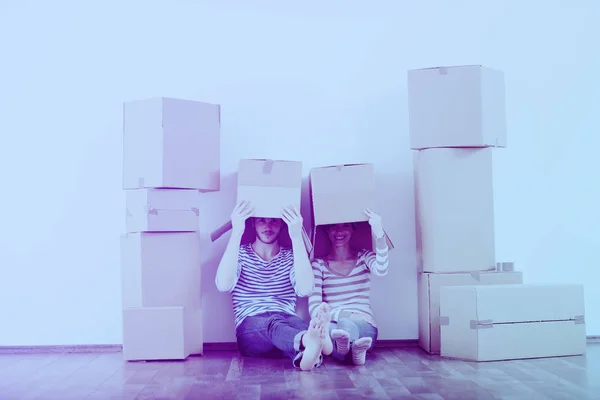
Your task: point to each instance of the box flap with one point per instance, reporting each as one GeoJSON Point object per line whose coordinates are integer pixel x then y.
{"type": "Point", "coordinates": [348, 178]}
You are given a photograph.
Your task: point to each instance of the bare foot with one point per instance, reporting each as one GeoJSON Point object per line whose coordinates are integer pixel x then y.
{"type": "Point", "coordinates": [312, 346]}
{"type": "Point", "coordinates": [324, 318]}
{"type": "Point", "coordinates": [359, 350]}
{"type": "Point", "coordinates": [342, 340]}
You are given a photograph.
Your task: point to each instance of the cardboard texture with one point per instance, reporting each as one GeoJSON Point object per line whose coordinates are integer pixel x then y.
{"type": "Point", "coordinates": [269, 185]}
{"type": "Point", "coordinates": [455, 209]}
{"type": "Point", "coordinates": [507, 322]}
{"type": "Point", "coordinates": [162, 333]}
{"type": "Point", "coordinates": [160, 269]}
{"type": "Point", "coordinates": [162, 210]}
{"type": "Point", "coordinates": [340, 194]}
{"type": "Point", "coordinates": [171, 143]}
{"type": "Point", "coordinates": [429, 286]}
{"type": "Point", "coordinates": [460, 106]}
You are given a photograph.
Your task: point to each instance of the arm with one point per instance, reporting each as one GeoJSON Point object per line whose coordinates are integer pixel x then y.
{"type": "Point", "coordinates": [316, 297]}
{"type": "Point", "coordinates": [229, 268]}
{"type": "Point", "coordinates": [377, 261]}
{"type": "Point", "coordinates": [229, 271]}
{"type": "Point", "coordinates": [303, 272]}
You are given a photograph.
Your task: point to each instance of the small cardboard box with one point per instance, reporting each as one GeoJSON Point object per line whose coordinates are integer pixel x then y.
{"type": "Point", "coordinates": [162, 333]}
{"type": "Point", "coordinates": [171, 143]}
{"type": "Point", "coordinates": [162, 210]}
{"type": "Point", "coordinates": [507, 322]}
{"type": "Point", "coordinates": [459, 106]}
{"type": "Point", "coordinates": [429, 299]}
{"type": "Point", "coordinates": [160, 269]}
{"type": "Point", "coordinates": [454, 196]}
{"type": "Point", "coordinates": [269, 185]}
{"type": "Point", "coordinates": [340, 194]}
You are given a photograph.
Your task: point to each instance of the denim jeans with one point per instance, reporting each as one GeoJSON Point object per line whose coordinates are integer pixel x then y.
{"type": "Point", "coordinates": [357, 329]}
{"type": "Point", "coordinates": [272, 335]}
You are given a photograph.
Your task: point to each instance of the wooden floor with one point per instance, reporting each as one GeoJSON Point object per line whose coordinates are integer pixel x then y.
{"type": "Point", "coordinates": [407, 373]}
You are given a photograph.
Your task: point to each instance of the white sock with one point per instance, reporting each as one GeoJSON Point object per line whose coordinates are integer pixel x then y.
{"type": "Point", "coordinates": [342, 340]}
{"type": "Point", "coordinates": [359, 350]}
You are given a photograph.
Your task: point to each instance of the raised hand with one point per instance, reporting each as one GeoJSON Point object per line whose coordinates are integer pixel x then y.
{"type": "Point", "coordinates": [375, 222]}
{"type": "Point", "coordinates": [293, 219]}
{"type": "Point", "coordinates": [240, 214]}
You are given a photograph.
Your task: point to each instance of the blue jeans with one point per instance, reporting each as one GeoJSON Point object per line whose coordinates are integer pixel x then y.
{"type": "Point", "coordinates": [272, 335]}
{"type": "Point", "coordinates": [357, 329]}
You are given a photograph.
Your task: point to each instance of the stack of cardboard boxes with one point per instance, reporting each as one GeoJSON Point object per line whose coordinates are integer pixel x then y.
{"type": "Point", "coordinates": [171, 153]}
{"type": "Point", "coordinates": [456, 120]}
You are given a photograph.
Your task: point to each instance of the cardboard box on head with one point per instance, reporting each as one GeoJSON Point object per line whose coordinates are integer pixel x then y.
{"type": "Point", "coordinates": [341, 194]}
{"type": "Point", "coordinates": [270, 185]}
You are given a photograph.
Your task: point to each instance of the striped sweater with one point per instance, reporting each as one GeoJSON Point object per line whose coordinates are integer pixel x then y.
{"type": "Point", "coordinates": [348, 292]}
{"type": "Point", "coordinates": [263, 286]}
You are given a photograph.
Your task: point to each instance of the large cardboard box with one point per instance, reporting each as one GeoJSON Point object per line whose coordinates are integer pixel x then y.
{"type": "Point", "coordinates": [454, 193]}
{"type": "Point", "coordinates": [269, 185]}
{"type": "Point", "coordinates": [429, 286]}
{"type": "Point", "coordinates": [340, 194]}
{"type": "Point", "coordinates": [460, 106]}
{"type": "Point", "coordinates": [162, 333]}
{"type": "Point", "coordinates": [161, 269]}
{"type": "Point", "coordinates": [171, 143]}
{"type": "Point", "coordinates": [162, 210]}
{"type": "Point", "coordinates": [506, 322]}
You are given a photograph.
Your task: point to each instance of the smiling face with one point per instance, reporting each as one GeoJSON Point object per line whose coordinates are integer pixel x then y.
{"type": "Point", "coordinates": [268, 229]}
{"type": "Point", "coordinates": [340, 234]}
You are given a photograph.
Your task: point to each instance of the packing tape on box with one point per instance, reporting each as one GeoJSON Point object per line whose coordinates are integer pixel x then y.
{"type": "Point", "coordinates": [476, 276]}
{"type": "Point", "coordinates": [443, 70]}
{"type": "Point", "coordinates": [141, 182]}
{"type": "Point", "coordinates": [482, 324]}
{"type": "Point", "coordinates": [339, 167]}
{"type": "Point", "coordinates": [128, 213]}
{"type": "Point", "coordinates": [268, 166]}
{"type": "Point", "coordinates": [220, 231]}
{"type": "Point", "coordinates": [579, 319]}
{"type": "Point", "coordinates": [444, 320]}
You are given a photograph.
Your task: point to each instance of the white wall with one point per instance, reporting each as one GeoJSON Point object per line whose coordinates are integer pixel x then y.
{"type": "Point", "coordinates": [321, 84]}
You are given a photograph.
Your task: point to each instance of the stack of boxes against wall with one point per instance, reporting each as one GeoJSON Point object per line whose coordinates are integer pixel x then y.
{"type": "Point", "coordinates": [457, 119]}
{"type": "Point", "coordinates": [171, 153]}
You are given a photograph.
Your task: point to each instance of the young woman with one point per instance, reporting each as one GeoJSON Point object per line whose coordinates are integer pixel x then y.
{"type": "Point", "coordinates": [343, 280]}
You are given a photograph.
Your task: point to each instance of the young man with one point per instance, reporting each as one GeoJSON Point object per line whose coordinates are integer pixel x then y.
{"type": "Point", "coordinates": [264, 280]}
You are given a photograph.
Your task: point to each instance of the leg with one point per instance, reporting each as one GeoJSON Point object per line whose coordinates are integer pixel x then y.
{"type": "Point", "coordinates": [324, 317]}
{"type": "Point", "coordinates": [295, 338]}
{"type": "Point", "coordinates": [252, 340]}
{"type": "Point", "coordinates": [367, 337]}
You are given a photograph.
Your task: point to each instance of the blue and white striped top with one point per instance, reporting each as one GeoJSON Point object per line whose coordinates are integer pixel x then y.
{"type": "Point", "coordinates": [263, 286]}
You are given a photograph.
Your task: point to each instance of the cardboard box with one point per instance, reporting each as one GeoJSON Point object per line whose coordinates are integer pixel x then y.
{"type": "Point", "coordinates": [454, 193]}
{"type": "Point", "coordinates": [460, 106]}
{"type": "Point", "coordinates": [162, 333]}
{"type": "Point", "coordinates": [171, 143]}
{"type": "Point", "coordinates": [429, 286]}
{"type": "Point", "coordinates": [269, 185]}
{"type": "Point", "coordinates": [160, 269]}
{"type": "Point", "coordinates": [162, 210]}
{"type": "Point", "coordinates": [340, 194]}
{"type": "Point", "coordinates": [507, 322]}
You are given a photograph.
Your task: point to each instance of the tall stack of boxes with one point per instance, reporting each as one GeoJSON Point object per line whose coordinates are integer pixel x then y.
{"type": "Point", "coordinates": [457, 119]}
{"type": "Point", "coordinates": [171, 153]}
